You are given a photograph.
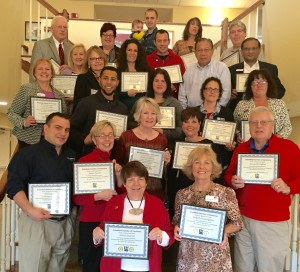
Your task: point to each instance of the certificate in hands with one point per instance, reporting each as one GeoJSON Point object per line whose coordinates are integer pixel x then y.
{"type": "Point", "coordinates": [65, 84]}
{"type": "Point", "coordinates": [174, 73]}
{"type": "Point", "coordinates": [258, 168]}
{"type": "Point", "coordinates": [55, 65]}
{"type": "Point", "coordinates": [182, 151]}
{"type": "Point", "coordinates": [90, 178]}
{"type": "Point", "coordinates": [220, 132]}
{"type": "Point", "coordinates": [53, 197]}
{"type": "Point", "coordinates": [245, 131]}
{"type": "Point", "coordinates": [241, 81]}
{"type": "Point", "coordinates": [42, 107]}
{"type": "Point", "coordinates": [202, 224]}
{"type": "Point", "coordinates": [152, 159]}
{"type": "Point", "coordinates": [189, 59]}
{"type": "Point", "coordinates": [232, 59]}
{"type": "Point", "coordinates": [134, 80]}
{"type": "Point", "coordinates": [167, 119]}
{"type": "Point", "coordinates": [128, 241]}
{"type": "Point", "coordinates": [119, 120]}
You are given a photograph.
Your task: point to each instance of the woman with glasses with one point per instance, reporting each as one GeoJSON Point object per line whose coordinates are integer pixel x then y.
{"type": "Point", "coordinates": [261, 91]}
{"type": "Point", "coordinates": [211, 92]}
{"type": "Point", "coordinates": [132, 59]}
{"type": "Point", "coordinates": [93, 205]}
{"type": "Point", "coordinates": [108, 33]}
{"type": "Point", "coordinates": [88, 83]}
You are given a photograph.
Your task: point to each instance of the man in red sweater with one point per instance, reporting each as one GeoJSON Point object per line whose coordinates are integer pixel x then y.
{"type": "Point", "coordinates": [264, 241]}
{"type": "Point", "coordinates": [163, 56]}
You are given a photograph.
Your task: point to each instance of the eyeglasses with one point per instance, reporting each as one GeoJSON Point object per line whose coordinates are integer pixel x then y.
{"type": "Point", "coordinates": [105, 136]}
{"type": "Point", "coordinates": [248, 49]}
{"type": "Point", "coordinates": [259, 82]}
{"type": "Point", "coordinates": [61, 27]}
{"type": "Point", "coordinates": [262, 123]}
{"type": "Point", "coordinates": [108, 35]}
{"type": "Point", "coordinates": [213, 90]}
{"type": "Point", "coordinates": [96, 59]}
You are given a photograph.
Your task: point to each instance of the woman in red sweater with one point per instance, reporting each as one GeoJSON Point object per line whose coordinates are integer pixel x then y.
{"type": "Point", "coordinates": [93, 205]}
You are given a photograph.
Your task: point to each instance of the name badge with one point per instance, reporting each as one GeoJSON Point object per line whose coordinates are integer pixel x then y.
{"type": "Point", "coordinates": [209, 198]}
{"type": "Point", "coordinates": [93, 91]}
{"type": "Point", "coordinates": [40, 95]}
{"type": "Point", "coordinates": [239, 70]}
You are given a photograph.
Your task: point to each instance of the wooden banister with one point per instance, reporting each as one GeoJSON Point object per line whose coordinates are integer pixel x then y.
{"type": "Point", "coordinates": [3, 179]}
{"type": "Point", "coordinates": [49, 7]}
{"type": "Point", "coordinates": [249, 10]}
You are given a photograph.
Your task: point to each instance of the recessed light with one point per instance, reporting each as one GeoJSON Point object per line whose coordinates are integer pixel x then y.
{"type": "Point", "coordinates": [3, 103]}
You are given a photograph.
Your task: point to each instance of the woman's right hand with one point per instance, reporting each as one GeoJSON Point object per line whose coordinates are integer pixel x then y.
{"type": "Point", "coordinates": [98, 235]}
{"type": "Point", "coordinates": [105, 195]}
{"type": "Point", "coordinates": [176, 233]}
{"type": "Point", "coordinates": [29, 121]}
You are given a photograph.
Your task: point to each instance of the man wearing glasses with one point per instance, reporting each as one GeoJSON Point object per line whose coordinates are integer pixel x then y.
{"type": "Point", "coordinates": [56, 47]}
{"type": "Point", "coordinates": [264, 241]}
{"type": "Point", "coordinates": [250, 50]}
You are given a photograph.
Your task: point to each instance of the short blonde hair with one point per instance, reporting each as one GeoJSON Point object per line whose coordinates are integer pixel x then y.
{"type": "Point", "coordinates": [99, 126]}
{"type": "Point", "coordinates": [198, 153]}
{"type": "Point", "coordinates": [99, 51]}
{"type": "Point", "coordinates": [70, 60]}
{"type": "Point", "coordinates": [38, 61]}
{"type": "Point", "coordinates": [144, 102]}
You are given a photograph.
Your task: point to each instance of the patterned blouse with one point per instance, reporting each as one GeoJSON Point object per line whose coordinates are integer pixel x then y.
{"type": "Point", "coordinates": [194, 256]}
{"type": "Point", "coordinates": [283, 125]}
{"type": "Point", "coordinates": [181, 48]}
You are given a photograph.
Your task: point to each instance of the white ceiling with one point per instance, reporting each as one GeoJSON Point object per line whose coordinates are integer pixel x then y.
{"type": "Point", "coordinates": [188, 3]}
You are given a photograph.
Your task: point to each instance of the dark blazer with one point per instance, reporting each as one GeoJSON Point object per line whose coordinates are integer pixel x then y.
{"type": "Point", "coordinates": [271, 68]}
{"type": "Point", "coordinates": [85, 83]}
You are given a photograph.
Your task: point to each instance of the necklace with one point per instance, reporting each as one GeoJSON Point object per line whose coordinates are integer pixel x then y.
{"type": "Point", "coordinates": [135, 211]}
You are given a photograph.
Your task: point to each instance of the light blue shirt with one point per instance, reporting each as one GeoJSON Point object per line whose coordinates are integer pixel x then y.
{"type": "Point", "coordinates": [193, 78]}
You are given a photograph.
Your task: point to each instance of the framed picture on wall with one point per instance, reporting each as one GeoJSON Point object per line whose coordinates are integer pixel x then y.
{"type": "Point", "coordinates": [34, 31]}
{"type": "Point", "coordinates": [122, 36]}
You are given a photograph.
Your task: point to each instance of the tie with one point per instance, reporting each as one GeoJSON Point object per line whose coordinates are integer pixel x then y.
{"type": "Point", "coordinates": [61, 54]}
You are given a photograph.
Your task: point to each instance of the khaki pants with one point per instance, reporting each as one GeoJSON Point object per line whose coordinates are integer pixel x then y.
{"type": "Point", "coordinates": [45, 245]}
{"type": "Point", "coordinates": [261, 246]}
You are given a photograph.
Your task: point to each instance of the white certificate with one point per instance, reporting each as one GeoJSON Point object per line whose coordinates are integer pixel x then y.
{"type": "Point", "coordinates": [53, 197]}
{"type": "Point", "coordinates": [189, 59]}
{"type": "Point", "coordinates": [152, 159]}
{"type": "Point", "coordinates": [202, 224]}
{"type": "Point", "coordinates": [174, 73]}
{"type": "Point", "coordinates": [182, 151]}
{"type": "Point", "coordinates": [119, 120]}
{"type": "Point", "coordinates": [240, 82]}
{"type": "Point", "coordinates": [42, 107]}
{"type": "Point", "coordinates": [90, 178]}
{"type": "Point", "coordinates": [55, 65]}
{"type": "Point", "coordinates": [65, 84]}
{"type": "Point", "coordinates": [232, 59]}
{"type": "Point", "coordinates": [258, 168]}
{"type": "Point", "coordinates": [167, 119]}
{"type": "Point", "coordinates": [134, 80]}
{"type": "Point", "coordinates": [220, 132]}
{"type": "Point", "coordinates": [245, 131]}
{"type": "Point", "coordinates": [128, 241]}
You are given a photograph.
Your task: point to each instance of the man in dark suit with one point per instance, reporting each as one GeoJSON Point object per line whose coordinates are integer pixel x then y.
{"type": "Point", "coordinates": [250, 49]}
{"type": "Point", "coordinates": [49, 48]}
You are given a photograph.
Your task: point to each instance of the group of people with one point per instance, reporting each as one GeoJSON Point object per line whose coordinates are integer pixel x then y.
{"type": "Point", "coordinates": [257, 216]}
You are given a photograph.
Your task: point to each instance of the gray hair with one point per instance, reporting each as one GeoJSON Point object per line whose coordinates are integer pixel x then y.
{"type": "Point", "coordinates": [55, 18]}
{"type": "Point", "coordinates": [260, 109]}
{"type": "Point", "coordinates": [239, 24]}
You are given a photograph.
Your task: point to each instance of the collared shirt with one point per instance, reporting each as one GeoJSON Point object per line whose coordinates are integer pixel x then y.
{"type": "Point", "coordinates": [262, 150]}
{"type": "Point", "coordinates": [248, 69]}
{"type": "Point", "coordinates": [193, 78]}
{"type": "Point", "coordinates": [57, 43]}
{"type": "Point", "coordinates": [212, 114]}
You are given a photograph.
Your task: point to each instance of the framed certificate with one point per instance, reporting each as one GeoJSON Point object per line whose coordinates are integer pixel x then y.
{"type": "Point", "coordinates": [65, 84]}
{"type": "Point", "coordinates": [189, 59]}
{"type": "Point", "coordinates": [240, 82]}
{"type": "Point", "coordinates": [128, 241]}
{"type": "Point", "coordinates": [220, 132]}
{"type": "Point", "coordinates": [257, 168]}
{"type": "Point", "coordinates": [182, 151]}
{"type": "Point", "coordinates": [119, 120]}
{"type": "Point", "coordinates": [202, 224]}
{"type": "Point", "coordinates": [134, 80]}
{"type": "Point", "coordinates": [152, 159]}
{"type": "Point", "coordinates": [91, 178]}
{"type": "Point", "coordinates": [174, 73]}
{"type": "Point", "coordinates": [232, 59]}
{"type": "Point", "coordinates": [167, 119]}
{"type": "Point", "coordinates": [245, 131]}
{"type": "Point", "coordinates": [55, 65]}
{"type": "Point", "coordinates": [42, 107]}
{"type": "Point", "coordinates": [53, 197]}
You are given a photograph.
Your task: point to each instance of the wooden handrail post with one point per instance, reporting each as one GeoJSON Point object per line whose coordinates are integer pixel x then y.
{"type": "Point", "coordinates": [224, 35]}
